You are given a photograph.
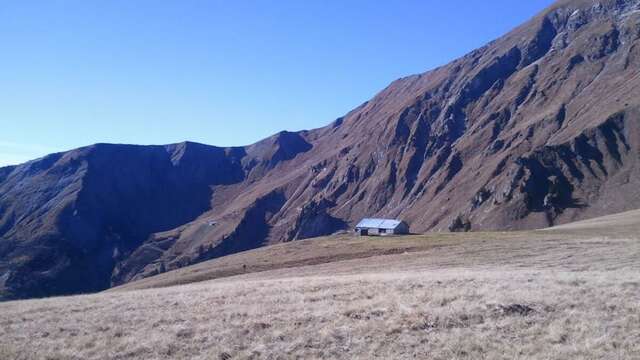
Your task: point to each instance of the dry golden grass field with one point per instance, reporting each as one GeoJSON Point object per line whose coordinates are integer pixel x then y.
{"type": "Point", "coordinates": [570, 292]}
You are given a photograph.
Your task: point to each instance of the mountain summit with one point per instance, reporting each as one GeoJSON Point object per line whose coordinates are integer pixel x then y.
{"type": "Point", "coordinates": [537, 128]}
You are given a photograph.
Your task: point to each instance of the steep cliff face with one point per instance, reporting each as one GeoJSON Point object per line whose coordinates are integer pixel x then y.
{"type": "Point", "coordinates": [539, 127]}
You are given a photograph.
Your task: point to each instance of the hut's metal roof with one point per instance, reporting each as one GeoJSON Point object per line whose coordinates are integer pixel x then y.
{"type": "Point", "coordinates": [379, 224]}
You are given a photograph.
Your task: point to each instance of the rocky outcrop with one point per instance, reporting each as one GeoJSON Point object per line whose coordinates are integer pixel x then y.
{"type": "Point", "coordinates": [314, 220]}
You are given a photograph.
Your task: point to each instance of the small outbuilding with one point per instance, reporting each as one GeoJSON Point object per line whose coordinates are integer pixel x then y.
{"type": "Point", "coordinates": [381, 227]}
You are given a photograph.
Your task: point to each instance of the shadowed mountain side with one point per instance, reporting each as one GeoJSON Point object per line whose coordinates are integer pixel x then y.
{"type": "Point", "coordinates": [68, 218]}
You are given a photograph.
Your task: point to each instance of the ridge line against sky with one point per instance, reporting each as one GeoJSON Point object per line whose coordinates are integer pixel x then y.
{"type": "Point", "coordinates": [223, 73]}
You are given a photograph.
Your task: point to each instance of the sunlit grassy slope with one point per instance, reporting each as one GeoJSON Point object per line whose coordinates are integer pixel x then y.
{"type": "Point", "coordinates": [567, 292]}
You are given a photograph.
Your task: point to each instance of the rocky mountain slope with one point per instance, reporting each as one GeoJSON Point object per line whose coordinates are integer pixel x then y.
{"type": "Point", "coordinates": [537, 128]}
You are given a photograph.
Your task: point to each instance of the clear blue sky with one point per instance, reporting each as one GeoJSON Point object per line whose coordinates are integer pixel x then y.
{"type": "Point", "coordinates": [73, 73]}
